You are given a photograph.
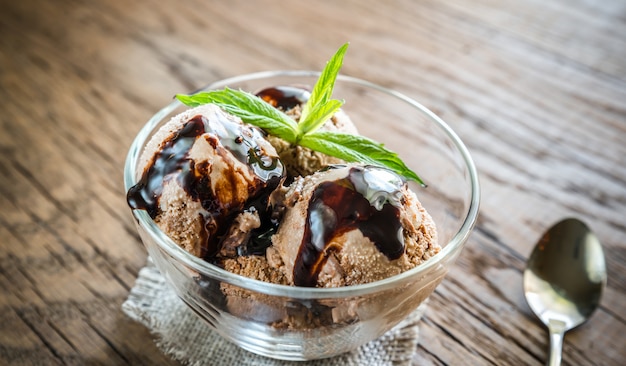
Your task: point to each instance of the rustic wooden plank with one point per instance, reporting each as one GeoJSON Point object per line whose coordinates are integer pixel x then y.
{"type": "Point", "coordinates": [590, 44]}
{"type": "Point", "coordinates": [20, 344]}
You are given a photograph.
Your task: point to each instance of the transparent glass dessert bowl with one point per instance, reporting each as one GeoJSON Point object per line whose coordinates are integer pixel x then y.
{"type": "Point", "coordinates": [300, 323]}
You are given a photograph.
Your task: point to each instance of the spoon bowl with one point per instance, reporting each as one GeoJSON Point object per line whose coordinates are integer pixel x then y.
{"type": "Point", "coordinates": [564, 279]}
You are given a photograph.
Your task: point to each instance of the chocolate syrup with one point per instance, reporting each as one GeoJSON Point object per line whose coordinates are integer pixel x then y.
{"type": "Point", "coordinates": [173, 162]}
{"type": "Point", "coordinates": [261, 237]}
{"type": "Point", "coordinates": [172, 158]}
{"type": "Point", "coordinates": [335, 208]}
{"type": "Point", "coordinates": [284, 97]}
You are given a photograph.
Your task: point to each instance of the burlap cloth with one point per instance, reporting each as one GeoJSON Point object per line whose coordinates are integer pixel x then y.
{"type": "Point", "coordinates": [185, 337]}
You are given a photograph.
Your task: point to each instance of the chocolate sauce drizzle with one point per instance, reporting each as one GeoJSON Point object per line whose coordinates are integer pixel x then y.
{"type": "Point", "coordinates": [335, 208]}
{"type": "Point", "coordinates": [172, 158]}
{"type": "Point", "coordinates": [261, 237]}
{"type": "Point", "coordinates": [173, 162]}
{"type": "Point", "coordinates": [284, 97]}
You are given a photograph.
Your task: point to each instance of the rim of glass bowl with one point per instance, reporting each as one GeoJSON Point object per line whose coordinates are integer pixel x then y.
{"type": "Point", "coordinates": [210, 270]}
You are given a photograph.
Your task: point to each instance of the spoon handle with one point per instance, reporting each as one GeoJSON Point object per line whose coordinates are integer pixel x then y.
{"type": "Point", "coordinates": [557, 332]}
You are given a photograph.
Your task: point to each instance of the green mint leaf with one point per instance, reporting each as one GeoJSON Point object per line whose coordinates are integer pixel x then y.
{"type": "Point", "coordinates": [192, 100]}
{"type": "Point", "coordinates": [250, 108]}
{"type": "Point", "coordinates": [318, 109]}
{"type": "Point", "coordinates": [319, 114]}
{"type": "Point", "coordinates": [356, 148]}
{"type": "Point", "coordinates": [323, 88]}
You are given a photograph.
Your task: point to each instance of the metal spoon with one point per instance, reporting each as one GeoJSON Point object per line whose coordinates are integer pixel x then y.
{"type": "Point", "coordinates": [564, 280]}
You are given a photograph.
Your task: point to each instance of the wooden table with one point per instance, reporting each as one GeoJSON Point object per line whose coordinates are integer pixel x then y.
{"type": "Point", "coordinates": [536, 89]}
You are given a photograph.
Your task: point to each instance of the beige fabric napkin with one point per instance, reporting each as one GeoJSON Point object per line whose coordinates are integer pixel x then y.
{"type": "Point", "coordinates": [185, 337]}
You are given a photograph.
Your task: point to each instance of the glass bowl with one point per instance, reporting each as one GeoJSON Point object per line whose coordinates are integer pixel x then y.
{"type": "Point", "coordinates": [299, 323]}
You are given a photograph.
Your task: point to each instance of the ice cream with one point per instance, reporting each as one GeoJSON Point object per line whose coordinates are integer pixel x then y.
{"type": "Point", "coordinates": [206, 180]}
{"type": "Point", "coordinates": [266, 209]}
{"type": "Point", "coordinates": [346, 225]}
{"type": "Point", "coordinates": [350, 225]}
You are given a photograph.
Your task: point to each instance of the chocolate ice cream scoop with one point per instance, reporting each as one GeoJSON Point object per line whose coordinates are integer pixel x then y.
{"type": "Point", "coordinates": [352, 224]}
{"type": "Point", "coordinates": [203, 169]}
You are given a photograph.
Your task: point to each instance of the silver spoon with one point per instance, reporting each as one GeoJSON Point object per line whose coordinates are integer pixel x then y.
{"type": "Point", "coordinates": [564, 280]}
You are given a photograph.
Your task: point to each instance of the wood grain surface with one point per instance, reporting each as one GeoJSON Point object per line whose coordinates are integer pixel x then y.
{"type": "Point", "coordinates": [536, 89]}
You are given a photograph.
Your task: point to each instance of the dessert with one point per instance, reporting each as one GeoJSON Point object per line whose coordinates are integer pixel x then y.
{"type": "Point", "coordinates": [278, 186]}
{"type": "Point", "coordinates": [206, 176]}
{"type": "Point", "coordinates": [351, 225]}
{"type": "Point", "coordinates": [329, 215]}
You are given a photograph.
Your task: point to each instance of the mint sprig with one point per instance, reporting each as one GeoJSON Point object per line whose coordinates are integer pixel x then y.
{"type": "Point", "coordinates": [357, 148]}
{"type": "Point", "coordinates": [323, 89]}
{"type": "Point", "coordinates": [315, 112]}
